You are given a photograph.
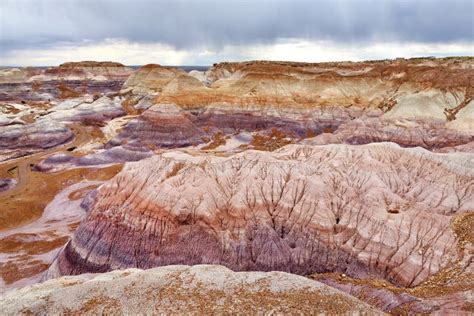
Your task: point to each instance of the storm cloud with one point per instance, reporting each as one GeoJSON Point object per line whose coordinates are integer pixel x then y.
{"type": "Point", "coordinates": [187, 25]}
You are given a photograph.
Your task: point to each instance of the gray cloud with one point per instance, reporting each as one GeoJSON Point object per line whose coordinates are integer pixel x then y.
{"type": "Point", "coordinates": [190, 24]}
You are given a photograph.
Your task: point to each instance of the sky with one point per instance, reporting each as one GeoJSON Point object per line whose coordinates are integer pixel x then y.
{"type": "Point", "coordinates": [193, 32]}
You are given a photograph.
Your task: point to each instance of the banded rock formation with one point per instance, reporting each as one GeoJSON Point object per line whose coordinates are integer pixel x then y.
{"type": "Point", "coordinates": [379, 221]}
{"type": "Point", "coordinates": [413, 103]}
{"type": "Point", "coordinates": [38, 103]}
{"type": "Point", "coordinates": [376, 211]}
{"type": "Point", "coordinates": [65, 81]}
{"type": "Point", "coordinates": [354, 103]}
{"type": "Point", "coordinates": [19, 140]}
{"type": "Point", "coordinates": [47, 127]}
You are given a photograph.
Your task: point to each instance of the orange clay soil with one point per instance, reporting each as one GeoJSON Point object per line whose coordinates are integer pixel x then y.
{"type": "Point", "coordinates": [15, 270]}
{"type": "Point", "coordinates": [271, 142]}
{"type": "Point", "coordinates": [218, 139]}
{"type": "Point", "coordinates": [26, 201]}
{"type": "Point", "coordinates": [9, 109]}
{"type": "Point", "coordinates": [26, 265]}
{"type": "Point", "coordinates": [129, 106]}
{"type": "Point", "coordinates": [81, 193]}
{"type": "Point", "coordinates": [17, 243]}
{"type": "Point", "coordinates": [26, 204]}
{"type": "Point", "coordinates": [66, 93]}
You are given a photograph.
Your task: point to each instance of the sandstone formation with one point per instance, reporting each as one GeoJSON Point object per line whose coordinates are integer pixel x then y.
{"type": "Point", "coordinates": [19, 140]}
{"type": "Point", "coordinates": [368, 211]}
{"type": "Point", "coordinates": [6, 184]}
{"type": "Point", "coordinates": [202, 289]}
{"type": "Point", "coordinates": [93, 70]}
{"type": "Point", "coordinates": [357, 175]}
{"type": "Point", "coordinates": [47, 128]}
{"type": "Point", "coordinates": [435, 135]}
{"type": "Point", "coordinates": [425, 103]}
{"type": "Point", "coordinates": [65, 81]}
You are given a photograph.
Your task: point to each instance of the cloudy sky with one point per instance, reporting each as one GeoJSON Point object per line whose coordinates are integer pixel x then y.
{"type": "Point", "coordinates": [193, 32]}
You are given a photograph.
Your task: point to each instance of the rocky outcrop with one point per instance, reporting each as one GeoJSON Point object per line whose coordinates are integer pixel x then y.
{"type": "Point", "coordinates": [86, 110]}
{"type": "Point", "coordinates": [85, 70]}
{"type": "Point", "coordinates": [434, 135]}
{"type": "Point", "coordinates": [39, 103]}
{"type": "Point", "coordinates": [413, 103]}
{"type": "Point", "coordinates": [13, 75]}
{"type": "Point", "coordinates": [359, 174]}
{"type": "Point", "coordinates": [99, 158]}
{"type": "Point", "coordinates": [161, 126]}
{"type": "Point", "coordinates": [6, 184]}
{"type": "Point", "coordinates": [203, 289]}
{"type": "Point", "coordinates": [170, 126]}
{"type": "Point", "coordinates": [48, 127]}
{"type": "Point", "coordinates": [19, 140]}
{"type": "Point", "coordinates": [156, 79]}
{"type": "Point", "coordinates": [65, 81]}
{"type": "Point", "coordinates": [377, 211]}
{"type": "Point", "coordinates": [384, 85]}
{"type": "Point", "coordinates": [407, 102]}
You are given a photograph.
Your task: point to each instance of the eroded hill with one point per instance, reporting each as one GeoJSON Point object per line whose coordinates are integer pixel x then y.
{"type": "Point", "coordinates": [356, 174]}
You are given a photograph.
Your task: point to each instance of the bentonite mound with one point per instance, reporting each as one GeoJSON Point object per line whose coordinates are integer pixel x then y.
{"type": "Point", "coordinates": [389, 223]}
{"type": "Point", "coordinates": [413, 104]}
{"type": "Point", "coordinates": [18, 140]}
{"type": "Point", "coordinates": [65, 81]}
{"type": "Point", "coordinates": [182, 289]}
{"type": "Point", "coordinates": [377, 211]}
{"type": "Point", "coordinates": [6, 184]}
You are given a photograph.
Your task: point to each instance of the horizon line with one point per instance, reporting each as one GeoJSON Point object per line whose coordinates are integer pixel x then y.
{"type": "Point", "coordinates": [258, 60]}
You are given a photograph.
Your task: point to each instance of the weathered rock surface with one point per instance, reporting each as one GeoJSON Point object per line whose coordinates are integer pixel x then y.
{"type": "Point", "coordinates": [156, 79]}
{"type": "Point", "coordinates": [6, 184]}
{"type": "Point", "coordinates": [86, 110]}
{"type": "Point", "coordinates": [383, 85]}
{"type": "Point", "coordinates": [38, 103]}
{"type": "Point", "coordinates": [426, 103]}
{"type": "Point", "coordinates": [320, 196]}
{"type": "Point", "coordinates": [453, 297]}
{"type": "Point", "coordinates": [434, 135]}
{"type": "Point", "coordinates": [49, 128]}
{"type": "Point", "coordinates": [65, 81]}
{"type": "Point", "coordinates": [368, 211]}
{"type": "Point", "coordinates": [161, 126]}
{"type": "Point", "coordinates": [92, 70]}
{"type": "Point", "coordinates": [202, 289]}
{"type": "Point", "coordinates": [19, 140]}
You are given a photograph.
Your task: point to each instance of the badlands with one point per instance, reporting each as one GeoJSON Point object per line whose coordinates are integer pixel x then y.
{"type": "Point", "coordinates": [252, 187]}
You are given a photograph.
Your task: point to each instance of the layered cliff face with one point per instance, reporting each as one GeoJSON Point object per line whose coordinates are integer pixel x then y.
{"type": "Point", "coordinates": [44, 112]}
{"type": "Point", "coordinates": [358, 175]}
{"type": "Point", "coordinates": [382, 85]}
{"type": "Point", "coordinates": [38, 105]}
{"type": "Point", "coordinates": [372, 211]}
{"type": "Point", "coordinates": [65, 81]}
{"type": "Point", "coordinates": [427, 103]}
